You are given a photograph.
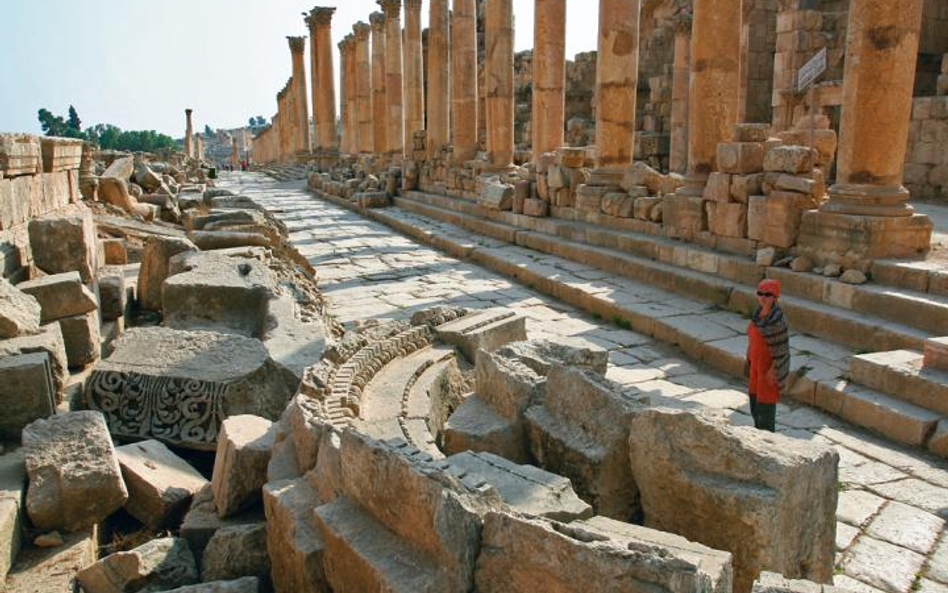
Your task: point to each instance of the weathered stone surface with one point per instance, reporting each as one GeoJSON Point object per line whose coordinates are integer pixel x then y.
{"type": "Point", "coordinates": [158, 565]}
{"type": "Point", "coordinates": [525, 488]}
{"type": "Point", "coordinates": [241, 585]}
{"type": "Point", "coordinates": [738, 489]}
{"type": "Point", "coordinates": [154, 267]}
{"type": "Point", "coordinates": [116, 251]}
{"type": "Point", "coordinates": [745, 186]}
{"type": "Point", "coordinates": [20, 154]}
{"type": "Point", "coordinates": [71, 487]}
{"type": "Point", "coordinates": [496, 196]}
{"type": "Point", "coordinates": [788, 159]}
{"type": "Point", "coordinates": [48, 340]}
{"type": "Point", "coordinates": [237, 551]}
{"type": "Point", "coordinates": [544, 355]}
{"type": "Point", "coordinates": [112, 293]}
{"type": "Point", "coordinates": [27, 392]}
{"type": "Point", "coordinates": [589, 197]}
{"type": "Point", "coordinates": [178, 386]}
{"type": "Point", "coordinates": [580, 431]}
{"type": "Point", "coordinates": [19, 312]}
{"type": "Point", "coordinates": [121, 168]}
{"type": "Point", "coordinates": [740, 157]}
{"type": "Point", "coordinates": [12, 486]}
{"type": "Point", "coordinates": [215, 292]}
{"type": "Point", "coordinates": [202, 522]}
{"type": "Point", "coordinates": [60, 154]}
{"type": "Point", "coordinates": [771, 582]}
{"type": "Point", "coordinates": [882, 565]}
{"type": "Point", "coordinates": [65, 244]}
{"type": "Point", "coordinates": [473, 426]}
{"type": "Point", "coordinates": [751, 132]}
{"type": "Point", "coordinates": [727, 220]}
{"type": "Point", "coordinates": [240, 467]}
{"type": "Point", "coordinates": [618, 204]}
{"type": "Point", "coordinates": [41, 570]}
{"type": "Point", "coordinates": [60, 295]}
{"type": "Point", "coordinates": [486, 329]}
{"type": "Point", "coordinates": [521, 554]}
{"type": "Point", "coordinates": [391, 498]}
{"type": "Point", "coordinates": [685, 214]}
{"type": "Point", "coordinates": [82, 338]}
{"type": "Point", "coordinates": [640, 174]}
{"type": "Point", "coordinates": [160, 484]}
{"type": "Point", "coordinates": [505, 384]}
{"type": "Point", "coordinates": [535, 207]}
{"type": "Point", "coordinates": [293, 543]}
{"type": "Point", "coordinates": [644, 206]}
{"type": "Point", "coordinates": [718, 188]}
{"type": "Point", "coordinates": [936, 353]}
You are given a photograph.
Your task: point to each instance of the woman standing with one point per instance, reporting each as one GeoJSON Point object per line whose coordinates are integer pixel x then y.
{"type": "Point", "coordinates": [768, 355]}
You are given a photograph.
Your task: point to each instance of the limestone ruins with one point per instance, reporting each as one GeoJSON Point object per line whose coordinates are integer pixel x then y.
{"type": "Point", "coordinates": [226, 381]}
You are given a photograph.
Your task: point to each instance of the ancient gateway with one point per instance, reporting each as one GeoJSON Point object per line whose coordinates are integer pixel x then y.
{"type": "Point", "coordinates": [475, 321]}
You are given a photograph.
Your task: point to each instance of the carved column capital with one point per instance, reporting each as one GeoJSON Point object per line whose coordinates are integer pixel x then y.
{"type": "Point", "coordinates": [391, 8]}
{"type": "Point", "coordinates": [413, 4]}
{"type": "Point", "coordinates": [682, 22]}
{"type": "Point", "coordinates": [377, 20]}
{"type": "Point", "coordinates": [361, 31]}
{"type": "Point", "coordinates": [319, 16]}
{"type": "Point", "coordinates": [297, 44]}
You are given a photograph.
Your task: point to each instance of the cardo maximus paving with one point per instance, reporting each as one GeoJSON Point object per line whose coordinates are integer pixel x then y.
{"type": "Point", "coordinates": [245, 383]}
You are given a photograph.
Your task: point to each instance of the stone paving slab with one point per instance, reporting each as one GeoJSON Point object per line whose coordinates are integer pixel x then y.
{"type": "Point", "coordinates": [366, 270]}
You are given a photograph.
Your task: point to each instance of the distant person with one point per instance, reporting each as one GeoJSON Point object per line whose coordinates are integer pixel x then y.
{"type": "Point", "coordinates": [768, 355]}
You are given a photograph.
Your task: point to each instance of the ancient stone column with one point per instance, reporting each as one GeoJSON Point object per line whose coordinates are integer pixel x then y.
{"type": "Point", "coordinates": [414, 74]}
{"type": "Point", "coordinates": [188, 132]}
{"type": "Point", "coordinates": [234, 154]}
{"type": "Point", "coordinates": [439, 75]}
{"type": "Point", "coordinates": [353, 96]}
{"type": "Point", "coordinates": [363, 86]}
{"type": "Point", "coordinates": [199, 147]}
{"type": "Point", "coordinates": [299, 91]}
{"type": "Point", "coordinates": [464, 79]}
{"type": "Point", "coordinates": [345, 134]}
{"type": "Point", "coordinates": [498, 78]}
{"type": "Point", "coordinates": [393, 76]}
{"type": "Point", "coordinates": [379, 104]}
{"type": "Point", "coordinates": [678, 158]}
{"type": "Point", "coordinates": [881, 47]}
{"type": "Point", "coordinates": [616, 80]}
{"type": "Point", "coordinates": [549, 75]}
{"type": "Point", "coordinates": [324, 83]}
{"type": "Point", "coordinates": [715, 87]}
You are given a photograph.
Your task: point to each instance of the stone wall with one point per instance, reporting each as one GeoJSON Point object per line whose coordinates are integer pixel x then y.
{"type": "Point", "coordinates": [926, 165]}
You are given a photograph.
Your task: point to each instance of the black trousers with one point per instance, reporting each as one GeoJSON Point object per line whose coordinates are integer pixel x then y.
{"type": "Point", "coordinates": [765, 415]}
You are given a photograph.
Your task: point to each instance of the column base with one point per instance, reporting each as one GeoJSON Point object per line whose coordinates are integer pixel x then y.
{"type": "Point", "coordinates": [826, 234]}
{"type": "Point", "coordinates": [868, 200]}
{"type": "Point", "coordinates": [610, 176]}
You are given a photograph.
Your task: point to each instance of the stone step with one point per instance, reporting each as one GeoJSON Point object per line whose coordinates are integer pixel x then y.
{"type": "Point", "coordinates": [900, 374]}
{"type": "Point", "coordinates": [921, 275]}
{"type": "Point", "coordinates": [707, 283]}
{"type": "Point", "coordinates": [902, 304]}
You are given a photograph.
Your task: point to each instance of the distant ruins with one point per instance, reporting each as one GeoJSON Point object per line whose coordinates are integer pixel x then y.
{"type": "Point", "coordinates": [186, 412]}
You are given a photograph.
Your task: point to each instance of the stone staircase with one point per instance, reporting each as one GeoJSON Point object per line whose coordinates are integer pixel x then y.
{"type": "Point", "coordinates": [699, 298]}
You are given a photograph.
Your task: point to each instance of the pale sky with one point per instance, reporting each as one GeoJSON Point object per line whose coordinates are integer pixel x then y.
{"type": "Point", "coordinates": [139, 63]}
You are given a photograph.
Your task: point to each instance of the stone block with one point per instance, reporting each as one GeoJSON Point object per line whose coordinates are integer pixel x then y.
{"type": "Point", "coordinates": [618, 204]}
{"type": "Point", "coordinates": [158, 565]}
{"type": "Point", "coordinates": [27, 392]}
{"type": "Point", "coordinates": [81, 338]}
{"type": "Point", "coordinates": [526, 489]}
{"type": "Point", "coordinates": [65, 244]}
{"type": "Point", "coordinates": [824, 143]}
{"type": "Point", "coordinates": [536, 208]}
{"type": "Point", "coordinates": [60, 154]}
{"type": "Point", "coordinates": [473, 426]}
{"type": "Point", "coordinates": [589, 197]}
{"type": "Point", "coordinates": [685, 214]}
{"type": "Point", "coordinates": [740, 157]}
{"type": "Point", "coordinates": [496, 196]}
{"type": "Point", "coordinates": [240, 466]}
{"type": "Point", "coordinates": [71, 487]}
{"type": "Point", "coordinates": [580, 431]}
{"type": "Point", "coordinates": [745, 186]}
{"type": "Point", "coordinates": [639, 174]}
{"type": "Point", "coordinates": [60, 295]}
{"type": "Point", "coordinates": [783, 216]}
{"type": "Point", "coordinates": [738, 489]}
{"type": "Point", "coordinates": [727, 220]}
{"type": "Point", "coordinates": [20, 154]}
{"type": "Point", "coordinates": [718, 188]}
{"type": "Point", "coordinates": [201, 522]}
{"type": "Point", "coordinates": [756, 217]}
{"type": "Point", "coordinates": [210, 291]}
{"type": "Point", "coordinates": [49, 339]}
{"type": "Point", "coordinates": [557, 178]}
{"type": "Point", "coordinates": [293, 543]}
{"type": "Point", "coordinates": [936, 353]}
{"type": "Point", "coordinates": [804, 185]}
{"type": "Point", "coordinates": [525, 554]}
{"type": "Point", "coordinates": [19, 311]}
{"type": "Point", "coordinates": [154, 267]}
{"type": "Point", "coordinates": [747, 132]}
{"type": "Point", "coordinates": [160, 484]}
{"type": "Point", "coordinates": [487, 329]}
{"type": "Point", "coordinates": [570, 157]}
{"type": "Point", "coordinates": [116, 253]}
{"type": "Point", "coordinates": [241, 585]}
{"type": "Point", "coordinates": [112, 293]}
{"type": "Point", "coordinates": [642, 207]}
{"type": "Point", "coordinates": [225, 374]}
{"type": "Point", "coordinates": [375, 199]}
{"type": "Point", "coordinates": [789, 159]}
{"type": "Point", "coordinates": [237, 551]}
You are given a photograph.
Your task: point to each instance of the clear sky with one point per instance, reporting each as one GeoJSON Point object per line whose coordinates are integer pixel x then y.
{"type": "Point", "coordinates": [139, 63]}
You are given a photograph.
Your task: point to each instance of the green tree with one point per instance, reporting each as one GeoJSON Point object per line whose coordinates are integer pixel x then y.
{"type": "Point", "coordinates": [53, 125]}
{"type": "Point", "coordinates": [208, 131]}
{"type": "Point", "coordinates": [261, 121]}
{"type": "Point", "coordinates": [74, 122]}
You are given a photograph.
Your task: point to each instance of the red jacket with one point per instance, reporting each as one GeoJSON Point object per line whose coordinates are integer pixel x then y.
{"type": "Point", "coordinates": [758, 355]}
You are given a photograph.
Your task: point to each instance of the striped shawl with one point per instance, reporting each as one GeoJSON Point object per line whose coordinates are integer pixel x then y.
{"type": "Point", "coordinates": [774, 330]}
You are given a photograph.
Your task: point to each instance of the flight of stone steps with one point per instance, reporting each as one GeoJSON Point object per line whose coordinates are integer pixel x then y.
{"type": "Point", "coordinates": [699, 299]}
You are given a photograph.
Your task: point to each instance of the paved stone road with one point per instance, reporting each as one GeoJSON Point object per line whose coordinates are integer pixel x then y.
{"type": "Point", "coordinates": [893, 503]}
